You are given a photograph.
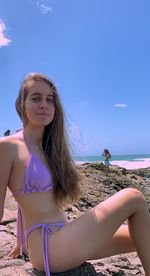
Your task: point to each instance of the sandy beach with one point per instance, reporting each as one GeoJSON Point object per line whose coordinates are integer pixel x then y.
{"type": "Point", "coordinates": [144, 163]}
{"type": "Point", "coordinates": [129, 165]}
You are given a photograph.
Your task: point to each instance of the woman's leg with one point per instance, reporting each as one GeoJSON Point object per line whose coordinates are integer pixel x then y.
{"type": "Point", "coordinates": [86, 237]}
{"type": "Point", "coordinates": [118, 244]}
{"type": "Point", "coordinates": [138, 226]}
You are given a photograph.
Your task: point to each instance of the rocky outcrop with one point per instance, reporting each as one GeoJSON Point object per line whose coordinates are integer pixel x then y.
{"type": "Point", "coordinates": [97, 184]}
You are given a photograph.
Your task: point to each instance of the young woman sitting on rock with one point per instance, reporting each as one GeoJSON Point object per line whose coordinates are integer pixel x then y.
{"type": "Point", "coordinates": [36, 165]}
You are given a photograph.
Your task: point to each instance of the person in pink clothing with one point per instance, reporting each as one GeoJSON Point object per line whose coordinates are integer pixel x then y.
{"type": "Point", "coordinates": [37, 167]}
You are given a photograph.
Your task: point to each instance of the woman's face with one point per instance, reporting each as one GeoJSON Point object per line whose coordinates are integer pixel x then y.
{"type": "Point", "coordinates": [39, 103]}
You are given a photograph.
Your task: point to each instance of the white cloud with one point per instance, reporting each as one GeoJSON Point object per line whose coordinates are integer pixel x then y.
{"type": "Point", "coordinates": [42, 5]}
{"type": "Point", "coordinates": [121, 105]}
{"type": "Point", "coordinates": [83, 103]}
{"type": "Point", "coordinates": [4, 41]}
{"type": "Point", "coordinates": [45, 9]}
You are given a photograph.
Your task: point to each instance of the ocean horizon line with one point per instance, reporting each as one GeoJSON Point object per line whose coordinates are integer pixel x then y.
{"type": "Point", "coordinates": [133, 161]}
{"type": "Point", "coordinates": [129, 157]}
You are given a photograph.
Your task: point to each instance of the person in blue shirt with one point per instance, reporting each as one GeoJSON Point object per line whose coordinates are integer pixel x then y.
{"type": "Point", "coordinates": [107, 156]}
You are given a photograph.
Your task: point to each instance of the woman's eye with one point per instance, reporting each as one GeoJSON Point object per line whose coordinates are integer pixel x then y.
{"type": "Point", "coordinates": [38, 99]}
{"type": "Point", "coordinates": [35, 99]}
{"type": "Point", "coordinates": [49, 100]}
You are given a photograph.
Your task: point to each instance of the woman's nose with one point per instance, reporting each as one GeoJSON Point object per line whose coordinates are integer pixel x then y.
{"type": "Point", "coordinates": [43, 104]}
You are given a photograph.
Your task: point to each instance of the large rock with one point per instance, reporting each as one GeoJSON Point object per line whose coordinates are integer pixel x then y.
{"type": "Point", "coordinates": [97, 185]}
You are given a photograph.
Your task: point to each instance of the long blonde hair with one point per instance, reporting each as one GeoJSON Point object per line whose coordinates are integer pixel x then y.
{"type": "Point", "coordinates": [55, 145]}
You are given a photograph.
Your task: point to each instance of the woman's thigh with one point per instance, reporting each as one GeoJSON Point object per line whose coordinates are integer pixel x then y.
{"type": "Point", "coordinates": [120, 243]}
{"type": "Point", "coordinates": [83, 238]}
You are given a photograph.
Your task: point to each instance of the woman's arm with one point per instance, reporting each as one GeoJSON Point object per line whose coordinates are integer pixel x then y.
{"type": "Point", "coordinates": [20, 247]}
{"type": "Point", "coordinates": [7, 152]}
{"type": "Point", "coordinates": [6, 162]}
{"type": "Point", "coordinates": [15, 253]}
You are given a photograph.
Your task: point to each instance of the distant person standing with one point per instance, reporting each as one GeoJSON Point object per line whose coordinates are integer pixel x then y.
{"type": "Point", "coordinates": [107, 156]}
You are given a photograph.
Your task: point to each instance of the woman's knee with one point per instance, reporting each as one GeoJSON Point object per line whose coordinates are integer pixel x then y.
{"type": "Point", "coordinates": [134, 195]}
{"type": "Point", "coordinates": [129, 199]}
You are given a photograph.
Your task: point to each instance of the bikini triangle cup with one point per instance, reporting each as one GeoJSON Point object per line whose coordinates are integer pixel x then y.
{"type": "Point", "coordinates": [37, 177]}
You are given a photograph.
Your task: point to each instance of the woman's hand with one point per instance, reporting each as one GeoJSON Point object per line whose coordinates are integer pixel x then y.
{"type": "Point", "coordinates": [15, 253]}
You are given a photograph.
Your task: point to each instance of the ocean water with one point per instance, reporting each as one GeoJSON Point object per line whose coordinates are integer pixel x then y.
{"type": "Point", "coordinates": [130, 158]}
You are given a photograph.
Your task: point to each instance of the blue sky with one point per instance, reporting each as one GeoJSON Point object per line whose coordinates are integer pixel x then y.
{"type": "Point", "coordinates": [98, 54]}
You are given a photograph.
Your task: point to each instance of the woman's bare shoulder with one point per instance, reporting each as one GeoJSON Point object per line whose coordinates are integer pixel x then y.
{"type": "Point", "coordinates": [9, 144]}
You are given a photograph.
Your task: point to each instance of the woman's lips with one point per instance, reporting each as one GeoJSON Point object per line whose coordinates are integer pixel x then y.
{"type": "Point", "coordinates": [43, 114]}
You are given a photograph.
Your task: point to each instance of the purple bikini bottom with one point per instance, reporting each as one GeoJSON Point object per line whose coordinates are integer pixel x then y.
{"type": "Point", "coordinates": [46, 229]}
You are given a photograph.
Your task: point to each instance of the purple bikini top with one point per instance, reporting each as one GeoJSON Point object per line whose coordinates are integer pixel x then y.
{"type": "Point", "coordinates": [37, 177]}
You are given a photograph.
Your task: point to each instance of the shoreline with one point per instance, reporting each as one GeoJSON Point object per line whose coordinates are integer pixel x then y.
{"type": "Point", "coordinates": [129, 165]}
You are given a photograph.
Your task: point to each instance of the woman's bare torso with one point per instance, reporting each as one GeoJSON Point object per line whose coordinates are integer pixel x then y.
{"type": "Point", "coordinates": [36, 207]}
